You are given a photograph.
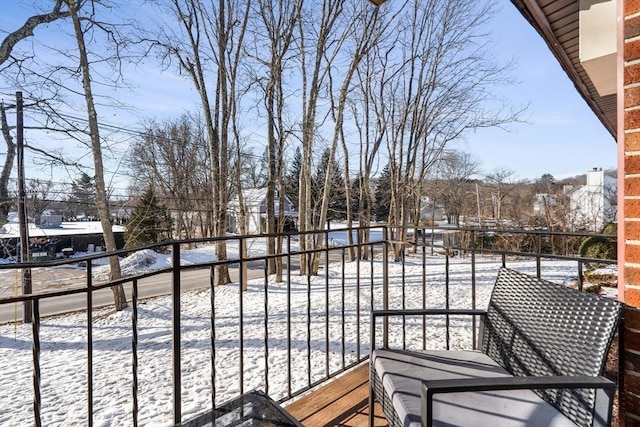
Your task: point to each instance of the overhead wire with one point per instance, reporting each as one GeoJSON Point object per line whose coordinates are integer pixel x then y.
{"type": "Point", "coordinates": [135, 132]}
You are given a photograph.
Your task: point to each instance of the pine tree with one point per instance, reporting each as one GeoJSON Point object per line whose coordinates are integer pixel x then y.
{"type": "Point", "coordinates": [337, 198]}
{"type": "Point", "coordinates": [82, 200]}
{"type": "Point", "coordinates": [383, 196]}
{"type": "Point", "coordinates": [292, 178]}
{"type": "Point", "coordinates": [355, 197]}
{"type": "Point", "coordinates": [150, 222]}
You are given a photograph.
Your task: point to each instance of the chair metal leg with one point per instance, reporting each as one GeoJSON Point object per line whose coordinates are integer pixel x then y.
{"type": "Point", "coordinates": [371, 404]}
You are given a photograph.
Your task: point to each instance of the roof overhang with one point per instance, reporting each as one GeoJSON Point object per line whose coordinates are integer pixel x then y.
{"type": "Point", "coordinates": [559, 24]}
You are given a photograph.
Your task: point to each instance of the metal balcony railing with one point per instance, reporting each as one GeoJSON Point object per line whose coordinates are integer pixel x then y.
{"type": "Point", "coordinates": [283, 337]}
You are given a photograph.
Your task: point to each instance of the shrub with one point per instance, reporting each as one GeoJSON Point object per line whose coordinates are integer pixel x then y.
{"type": "Point", "coordinates": [600, 247]}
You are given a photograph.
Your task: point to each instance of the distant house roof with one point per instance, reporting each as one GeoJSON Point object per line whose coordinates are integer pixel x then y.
{"type": "Point", "coordinates": [254, 196]}
{"type": "Point", "coordinates": [11, 230]}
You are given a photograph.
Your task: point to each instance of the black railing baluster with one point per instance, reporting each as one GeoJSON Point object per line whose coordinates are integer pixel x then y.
{"type": "Point", "coordinates": [580, 276]}
{"type": "Point", "coordinates": [89, 344]}
{"type": "Point", "coordinates": [342, 303]}
{"type": "Point", "coordinates": [326, 305]}
{"type": "Point", "coordinates": [241, 327]}
{"type": "Point", "coordinates": [473, 292]}
{"type": "Point", "coordinates": [446, 297]}
{"type": "Point", "coordinates": [35, 350]}
{"type": "Point", "coordinates": [266, 327]}
{"type": "Point", "coordinates": [212, 276]}
{"type": "Point", "coordinates": [424, 289]}
{"type": "Point", "coordinates": [358, 260]}
{"type": "Point", "coordinates": [539, 255]}
{"type": "Point", "coordinates": [372, 287]}
{"type": "Point", "coordinates": [309, 320]}
{"type": "Point", "coordinates": [175, 335]}
{"type": "Point", "coordinates": [385, 284]}
{"type": "Point", "coordinates": [404, 296]}
{"type": "Point", "coordinates": [289, 372]}
{"type": "Point", "coordinates": [134, 349]}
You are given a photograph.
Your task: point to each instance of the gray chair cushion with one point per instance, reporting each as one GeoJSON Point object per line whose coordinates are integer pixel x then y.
{"type": "Point", "coordinates": [402, 373]}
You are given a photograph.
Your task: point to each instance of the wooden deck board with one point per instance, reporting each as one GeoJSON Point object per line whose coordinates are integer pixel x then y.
{"type": "Point", "coordinates": [343, 402]}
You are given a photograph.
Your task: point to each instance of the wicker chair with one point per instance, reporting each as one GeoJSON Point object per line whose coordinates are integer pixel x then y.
{"type": "Point", "coordinates": [543, 349]}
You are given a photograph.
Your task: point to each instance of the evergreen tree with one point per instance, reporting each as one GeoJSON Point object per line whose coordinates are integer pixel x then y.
{"type": "Point", "coordinates": [337, 197]}
{"type": "Point", "coordinates": [355, 197]}
{"type": "Point", "coordinates": [545, 184]}
{"type": "Point", "coordinates": [292, 178]}
{"type": "Point", "coordinates": [150, 222]}
{"type": "Point", "coordinates": [382, 203]}
{"type": "Point", "coordinates": [82, 200]}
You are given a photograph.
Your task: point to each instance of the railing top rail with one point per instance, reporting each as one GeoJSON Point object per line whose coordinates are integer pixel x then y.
{"type": "Point", "coordinates": [509, 230]}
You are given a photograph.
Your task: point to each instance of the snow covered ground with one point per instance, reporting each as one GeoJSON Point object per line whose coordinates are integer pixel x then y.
{"type": "Point", "coordinates": [267, 307]}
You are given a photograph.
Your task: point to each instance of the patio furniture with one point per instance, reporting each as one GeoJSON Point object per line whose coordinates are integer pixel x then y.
{"type": "Point", "coordinates": [543, 349]}
{"type": "Point", "coordinates": [253, 408]}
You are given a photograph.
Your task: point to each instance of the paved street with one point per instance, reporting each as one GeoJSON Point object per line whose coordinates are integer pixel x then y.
{"type": "Point", "coordinates": [149, 287]}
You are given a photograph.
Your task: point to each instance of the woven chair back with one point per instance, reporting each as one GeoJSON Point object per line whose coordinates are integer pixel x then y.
{"type": "Point", "coordinates": [535, 327]}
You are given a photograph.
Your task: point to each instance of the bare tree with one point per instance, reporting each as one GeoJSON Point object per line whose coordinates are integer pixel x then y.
{"type": "Point", "coordinates": [362, 31]}
{"type": "Point", "coordinates": [500, 184]}
{"type": "Point", "coordinates": [60, 79]}
{"type": "Point", "coordinates": [370, 117]}
{"type": "Point", "coordinates": [316, 35]}
{"type": "Point", "coordinates": [102, 199]}
{"type": "Point", "coordinates": [210, 35]}
{"type": "Point", "coordinates": [7, 46]}
{"type": "Point", "coordinates": [172, 158]}
{"type": "Point", "coordinates": [276, 23]}
{"type": "Point", "coordinates": [439, 89]}
{"type": "Point", "coordinates": [39, 198]}
{"type": "Point", "coordinates": [454, 171]}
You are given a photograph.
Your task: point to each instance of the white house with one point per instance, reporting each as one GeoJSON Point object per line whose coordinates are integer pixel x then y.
{"type": "Point", "coordinates": [593, 205]}
{"type": "Point", "coordinates": [430, 211]}
{"type": "Point", "coordinates": [256, 211]}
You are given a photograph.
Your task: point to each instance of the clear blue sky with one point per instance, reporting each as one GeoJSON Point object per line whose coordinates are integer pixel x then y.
{"type": "Point", "coordinates": [564, 137]}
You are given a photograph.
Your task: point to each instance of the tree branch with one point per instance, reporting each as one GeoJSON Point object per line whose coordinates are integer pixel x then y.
{"type": "Point", "coordinates": [52, 156]}
{"type": "Point", "coordinates": [9, 42]}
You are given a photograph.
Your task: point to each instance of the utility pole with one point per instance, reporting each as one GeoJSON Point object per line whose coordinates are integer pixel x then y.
{"type": "Point", "coordinates": [22, 210]}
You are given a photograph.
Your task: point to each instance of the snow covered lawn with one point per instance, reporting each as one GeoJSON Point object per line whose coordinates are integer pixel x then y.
{"type": "Point", "coordinates": [265, 340]}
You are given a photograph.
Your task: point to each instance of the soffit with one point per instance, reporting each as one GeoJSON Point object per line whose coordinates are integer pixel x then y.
{"type": "Point", "coordinates": [557, 21]}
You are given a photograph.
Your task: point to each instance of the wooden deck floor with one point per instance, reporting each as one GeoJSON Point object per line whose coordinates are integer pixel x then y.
{"type": "Point", "coordinates": [343, 402]}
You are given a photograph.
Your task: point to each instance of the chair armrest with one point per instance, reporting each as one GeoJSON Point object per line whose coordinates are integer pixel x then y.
{"type": "Point", "coordinates": [426, 312]}
{"type": "Point", "coordinates": [431, 387]}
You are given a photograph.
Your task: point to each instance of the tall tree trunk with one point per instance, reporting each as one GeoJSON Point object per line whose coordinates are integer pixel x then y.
{"type": "Point", "coordinates": [102, 201]}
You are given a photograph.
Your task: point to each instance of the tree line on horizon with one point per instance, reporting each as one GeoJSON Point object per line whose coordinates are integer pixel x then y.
{"type": "Point", "coordinates": [463, 196]}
